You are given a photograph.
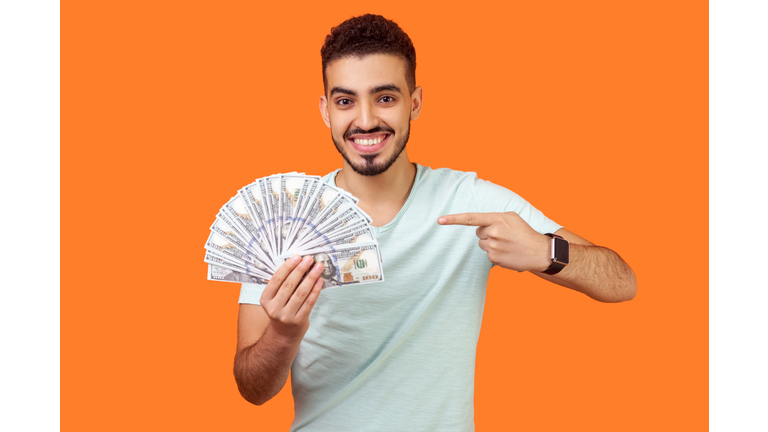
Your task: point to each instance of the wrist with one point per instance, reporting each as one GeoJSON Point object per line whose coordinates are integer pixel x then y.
{"type": "Point", "coordinates": [545, 253]}
{"type": "Point", "coordinates": [283, 338]}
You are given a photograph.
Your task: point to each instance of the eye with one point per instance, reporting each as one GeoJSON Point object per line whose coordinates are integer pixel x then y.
{"type": "Point", "coordinates": [344, 102]}
{"type": "Point", "coordinates": [387, 99]}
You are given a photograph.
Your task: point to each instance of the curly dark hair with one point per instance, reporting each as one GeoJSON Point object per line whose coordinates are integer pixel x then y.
{"type": "Point", "coordinates": [365, 35]}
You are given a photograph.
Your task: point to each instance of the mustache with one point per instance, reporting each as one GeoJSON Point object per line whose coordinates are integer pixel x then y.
{"type": "Point", "coordinates": [377, 129]}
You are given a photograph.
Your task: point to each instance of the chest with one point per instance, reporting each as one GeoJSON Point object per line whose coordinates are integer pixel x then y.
{"type": "Point", "coordinates": [381, 213]}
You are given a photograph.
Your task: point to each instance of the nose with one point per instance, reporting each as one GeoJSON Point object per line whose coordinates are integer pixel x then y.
{"type": "Point", "coordinates": [367, 118]}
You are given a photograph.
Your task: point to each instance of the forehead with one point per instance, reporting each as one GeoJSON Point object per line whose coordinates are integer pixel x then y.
{"type": "Point", "coordinates": [360, 74]}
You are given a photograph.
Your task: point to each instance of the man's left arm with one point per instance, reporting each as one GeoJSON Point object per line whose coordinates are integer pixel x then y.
{"type": "Point", "coordinates": [510, 242]}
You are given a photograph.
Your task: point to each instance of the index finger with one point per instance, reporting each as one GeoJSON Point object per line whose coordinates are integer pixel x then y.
{"type": "Point", "coordinates": [467, 219]}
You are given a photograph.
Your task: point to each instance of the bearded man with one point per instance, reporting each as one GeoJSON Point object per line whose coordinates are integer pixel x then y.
{"type": "Point", "coordinates": [400, 355]}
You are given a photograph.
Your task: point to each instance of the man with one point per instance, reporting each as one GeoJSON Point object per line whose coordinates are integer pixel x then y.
{"type": "Point", "coordinates": [399, 355]}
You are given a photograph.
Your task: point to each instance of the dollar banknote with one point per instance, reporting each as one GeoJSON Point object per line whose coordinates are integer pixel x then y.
{"type": "Point", "coordinates": [222, 274]}
{"type": "Point", "coordinates": [213, 258]}
{"type": "Point", "coordinates": [347, 264]}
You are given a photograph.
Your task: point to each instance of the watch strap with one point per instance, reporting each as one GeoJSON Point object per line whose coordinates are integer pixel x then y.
{"type": "Point", "coordinates": [554, 268]}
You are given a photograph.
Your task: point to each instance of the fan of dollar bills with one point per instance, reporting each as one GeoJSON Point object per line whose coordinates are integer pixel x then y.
{"type": "Point", "coordinates": [277, 217]}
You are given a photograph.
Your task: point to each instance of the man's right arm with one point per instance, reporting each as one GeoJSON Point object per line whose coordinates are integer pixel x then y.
{"type": "Point", "coordinates": [268, 335]}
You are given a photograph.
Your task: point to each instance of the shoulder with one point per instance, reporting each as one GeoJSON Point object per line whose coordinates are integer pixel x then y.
{"type": "Point", "coordinates": [469, 184]}
{"type": "Point", "coordinates": [446, 178]}
{"type": "Point", "coordinates": [487, 196]}
{"type": "Point", "coordinates": [445, 173]}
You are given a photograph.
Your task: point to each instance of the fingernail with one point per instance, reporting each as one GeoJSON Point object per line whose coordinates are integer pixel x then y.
{"type": "Point", "coordinates": [307, 259]}
{"type": "Point", "coordinates": [318, 268]}
{"type": "Point", "coordinates": [441, 220]}
{"type": "Point", "coordinates": [296, 258]}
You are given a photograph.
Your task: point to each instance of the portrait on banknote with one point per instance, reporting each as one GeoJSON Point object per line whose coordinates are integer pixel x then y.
{"type": "Point", "coordinates": [329, 270]}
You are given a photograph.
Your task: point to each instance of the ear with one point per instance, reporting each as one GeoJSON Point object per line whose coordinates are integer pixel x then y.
{"type": "Point", "coordinates": [417, 99]}
{"type": "Point", "coordinates": [324, 111]}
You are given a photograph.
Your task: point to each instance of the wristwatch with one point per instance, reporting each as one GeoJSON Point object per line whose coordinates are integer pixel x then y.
{"type": "Point", "coordinates": [560, 248]}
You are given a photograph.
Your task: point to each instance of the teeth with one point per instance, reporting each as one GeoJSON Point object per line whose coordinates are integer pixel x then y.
{"type": "Point", "coordinates": [369, 142]}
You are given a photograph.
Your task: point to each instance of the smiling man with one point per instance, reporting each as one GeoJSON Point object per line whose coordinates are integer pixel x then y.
{"type": "Point", "coordinates": [400, 355]}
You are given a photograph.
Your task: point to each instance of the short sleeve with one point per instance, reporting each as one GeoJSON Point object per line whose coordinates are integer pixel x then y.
{"type": "Point", "coordinates": [490, 197]}
{"type": "Point", "coordinates": [250, 293]}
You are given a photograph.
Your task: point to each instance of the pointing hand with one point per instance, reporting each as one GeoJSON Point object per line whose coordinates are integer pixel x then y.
{"type": "Point", "coordinates": [509, 241]}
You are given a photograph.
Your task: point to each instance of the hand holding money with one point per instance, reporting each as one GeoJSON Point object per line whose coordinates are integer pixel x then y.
{"type": "Point", "coordinates": [290, 295]}
{"type": "Point", "coordinates": [509, 241]}
{"type": "Point", "coordinates": [277, 217]}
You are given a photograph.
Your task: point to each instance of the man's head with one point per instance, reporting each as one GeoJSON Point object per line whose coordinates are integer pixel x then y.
{"type": "Point", "coordinates": [329, 270]}
{"type": "Point", "coordinates": [369, 67]}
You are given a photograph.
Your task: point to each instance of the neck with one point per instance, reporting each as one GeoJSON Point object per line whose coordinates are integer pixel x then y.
{"type": "Point", "coordinates": [383, 195]}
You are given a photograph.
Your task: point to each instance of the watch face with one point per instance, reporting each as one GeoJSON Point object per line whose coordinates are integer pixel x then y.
{"type": "Point", "coordinates": [561, 251]}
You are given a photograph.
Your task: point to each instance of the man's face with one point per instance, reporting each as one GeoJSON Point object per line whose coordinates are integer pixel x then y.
{"type": "Point", "coordinates": [368, 109]}
{"type": "Point", "coordinates": [328, 268]}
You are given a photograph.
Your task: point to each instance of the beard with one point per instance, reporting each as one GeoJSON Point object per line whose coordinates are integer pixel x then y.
{"type": "Point", "coordinates": [370, 168]}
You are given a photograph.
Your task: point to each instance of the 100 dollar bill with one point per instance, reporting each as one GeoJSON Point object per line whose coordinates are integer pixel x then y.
{"type": "Point", "coordinates": [222, 274]}
{"type": "Point", "coordinates": [348, 264]}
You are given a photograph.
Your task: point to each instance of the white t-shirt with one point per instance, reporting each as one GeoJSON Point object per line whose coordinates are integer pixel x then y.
{"type": "Point", "coordinates": [400, 355]}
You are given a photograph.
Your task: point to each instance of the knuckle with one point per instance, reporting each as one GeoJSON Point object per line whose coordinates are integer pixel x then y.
{"type": "Point", "coordinates": [288, 285]}
{"type": "Point", "coordinates": [302, 292]}
{"type": "Point", "coordinates": [276, 280]}
{"type": "Point", "coordinates": [271, 312]}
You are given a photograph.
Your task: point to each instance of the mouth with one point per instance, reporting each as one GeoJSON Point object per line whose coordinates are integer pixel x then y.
{"type": "Point", "coordinates": [369, 143]}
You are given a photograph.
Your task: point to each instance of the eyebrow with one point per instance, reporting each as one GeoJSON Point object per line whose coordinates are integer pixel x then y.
{"type": "Point", "coordinates": [373, 90]}
{"type": "Point", "coordinates": [385, 87]}
{"type": "Point", "coordinates": [343, 90]}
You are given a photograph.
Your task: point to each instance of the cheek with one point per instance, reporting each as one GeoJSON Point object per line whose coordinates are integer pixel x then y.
{"type": "Point", "coordinates": [339, 127]}
{"type": "Point", "coordinates": [397, 121]}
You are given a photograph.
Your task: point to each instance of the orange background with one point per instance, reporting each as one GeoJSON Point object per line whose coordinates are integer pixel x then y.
{"type": "Point", "coordinates": [595, 112]}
